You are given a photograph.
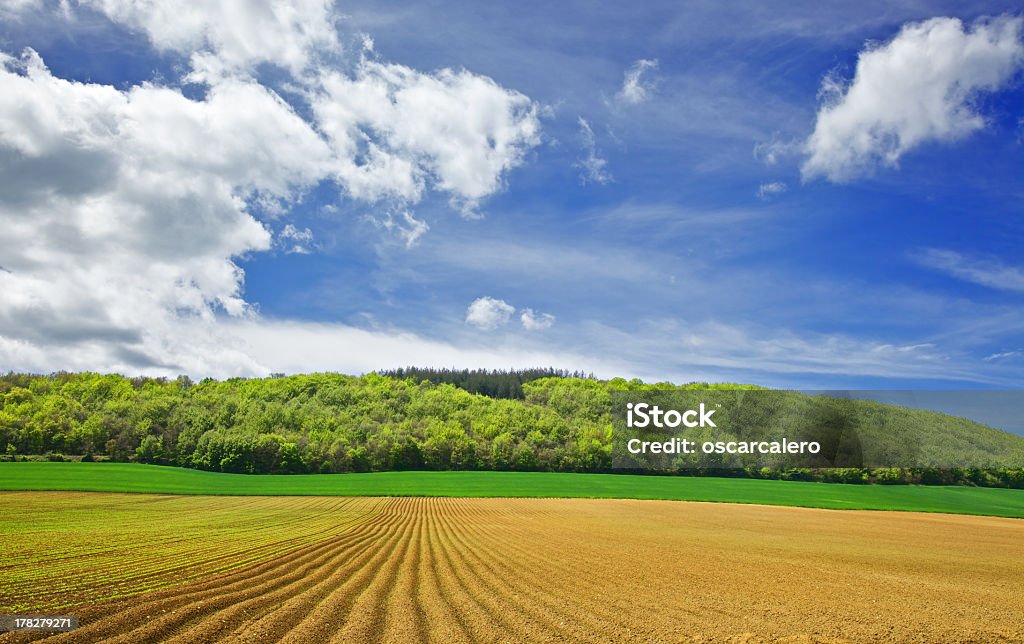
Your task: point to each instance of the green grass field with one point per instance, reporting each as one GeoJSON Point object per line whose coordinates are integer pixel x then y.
{"type": "Point", "coordinates": [123, 477]}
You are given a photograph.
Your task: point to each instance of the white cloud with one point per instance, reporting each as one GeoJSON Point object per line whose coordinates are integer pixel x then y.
{"type": "Point", "coordinates": [771, 152]}
{"type": "Point", "coordinates": [984, 271]}
{"type": "Point", "coordinates": [302, 347]}
{"type": "Point", "coordinates": [536, 321]}
{"type": "Point", "coordinates": [654, 350]}
{"type": "Point", "coordinates": [395, 129]}
{"type": "Point", "coordinates": [228, 35]}
{"type": "Point", "coordinates": [716, 350]}
{"type": "Point", "coordinates": [392, 131]}
{"type": "Point", "coordinates": [295, 240]}
{"type": "Point", "coordinates": [917, 88]}
{"type": "Point", "coordinates": [768, 190]}
{"type": "Point", "coordinates": [407, 228]}
{"type": "Point", "coordinates": [594, 167]}
{"type": "Point", "coordinates": [258, 347]}
{"type": "Point", "coordinates": [489, 313]}
{"type": "Point", "coordinates": [125, 211]}
{"type": "Point", "coordinates": [90, 172]}
{"type": "Point", "coordinates": [12, 8]}
{"type": "Point", "coordinates": [636, 88]}
{"type": "Point", "coordinates": [1005, 355]}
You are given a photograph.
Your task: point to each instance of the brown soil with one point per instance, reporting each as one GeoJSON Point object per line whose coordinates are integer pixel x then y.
{"type": "Point", "coordinates": [559, 570]}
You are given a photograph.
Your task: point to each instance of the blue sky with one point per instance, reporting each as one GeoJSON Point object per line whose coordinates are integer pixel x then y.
{"type": "Point", "coordinates": [681, 197]}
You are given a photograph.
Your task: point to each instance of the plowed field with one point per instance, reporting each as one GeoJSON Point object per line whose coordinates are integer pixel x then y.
{"type": "Point", "coordinates": [449, 570]}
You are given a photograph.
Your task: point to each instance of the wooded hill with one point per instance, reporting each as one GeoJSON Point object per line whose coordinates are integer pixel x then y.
{"type": "Point", "coordinates": [326, 423]}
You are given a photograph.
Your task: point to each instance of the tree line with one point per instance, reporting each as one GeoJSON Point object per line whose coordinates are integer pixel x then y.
{"type": "Point", "coordinates": [493, 383]}
{"type": "Point", "coordinates": [332, 423]}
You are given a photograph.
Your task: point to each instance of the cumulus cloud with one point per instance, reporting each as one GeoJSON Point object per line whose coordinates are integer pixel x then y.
{"type": "Point", "coordinates": [594, 167]}
{"type": "Point", "coordinates": [536, 321]}
{"type": "Point", "coordinates": [125, 211]}
{"type": "Point", "coordinates": [768, 190]}
{"type": "Point", "coordinates": [226, 35]}
{"type": "Point", "coordinates": [637, 86]}
{"type": "Point", "coordinates": [988, 272]}
{"type": "Point", "coordinates": [489, 313]}
{"type": "Point", "coordinates": [395, 130]}
{"type": "Point", "coordinates": [916, 88]}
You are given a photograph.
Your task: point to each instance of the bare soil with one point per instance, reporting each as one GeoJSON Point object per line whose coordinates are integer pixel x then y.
{"type": "Point", "coordinates": [560, 570]}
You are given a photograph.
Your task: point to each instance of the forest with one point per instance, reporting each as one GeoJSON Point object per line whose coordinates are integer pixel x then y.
{"type": "Point", "coordinates": [493, 383]}
{"type": "Point", "coordinates": [417, 419]}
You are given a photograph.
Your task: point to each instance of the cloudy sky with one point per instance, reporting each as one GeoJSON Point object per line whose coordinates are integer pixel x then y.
{"type": "Point", "coordinates": [811, 196]}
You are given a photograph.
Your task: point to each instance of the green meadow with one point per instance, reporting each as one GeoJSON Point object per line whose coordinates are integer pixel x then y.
{"type": "Point", "coordinates": [125, 477]}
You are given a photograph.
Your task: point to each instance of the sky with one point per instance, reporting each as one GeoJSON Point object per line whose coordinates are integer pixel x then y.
{"type": "Point", "coordinates": [810, 196]}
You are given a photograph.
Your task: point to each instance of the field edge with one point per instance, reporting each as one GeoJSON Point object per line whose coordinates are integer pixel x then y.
{"type": "Point", "coordinates": [153, 479]}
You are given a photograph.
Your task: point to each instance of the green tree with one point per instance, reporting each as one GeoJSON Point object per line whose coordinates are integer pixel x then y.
{"type": "Point", "coordinates": [150, 450]}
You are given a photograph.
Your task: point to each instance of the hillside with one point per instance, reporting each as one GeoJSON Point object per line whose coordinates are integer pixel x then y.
{"type": "Point", "coordinates": [331, 423]}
